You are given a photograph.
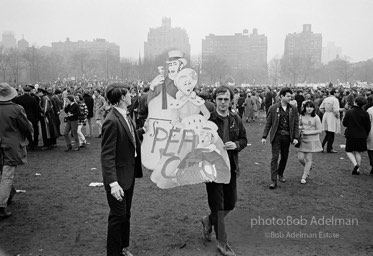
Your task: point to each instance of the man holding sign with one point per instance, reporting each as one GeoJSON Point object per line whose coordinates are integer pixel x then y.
{"type": "Point", "coordinates": [222, 198]}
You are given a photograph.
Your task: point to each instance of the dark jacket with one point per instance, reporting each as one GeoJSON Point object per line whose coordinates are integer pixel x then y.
{"type": "Point", "coordinates": [89, 102]}
{"type": "Point", "coordinates": [73, 109]}
{"type": "Point", "coordinates": [14, 129]}
{"type": "Point", "coordinates": [143, 105]}
{"type": "Point", "coordinates": [237, 134]}
{"type": "Point", "coordinates": [118, 150]}
{"type": "Point", "coordinates": [31, 107]}
{"type": "Point", "coordinates": [273, 119]}
{"type": "Point", "coordinates": [357, 123]}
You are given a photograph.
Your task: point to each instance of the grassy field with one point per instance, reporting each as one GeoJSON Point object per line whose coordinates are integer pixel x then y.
{"type": "Point", "coordinates": [59, 214]}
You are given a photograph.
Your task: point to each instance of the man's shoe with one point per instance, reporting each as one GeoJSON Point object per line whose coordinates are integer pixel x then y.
{"type": "Point", "coordinates": [4, 213]}
{"type": "Point", "coordinates": [126, 252]}
{"type": "Point", "coordinates": [76, 149]}
{"type": "Point", "coordinates": [225, 249]}
{"type": "Point", "coordinates": [354, 171]}
{"type": "Point", "coordinates": [303, 181]}
{"type": "Point", "coordinates": [332, 151]}
{"type": "Point", "coordinates": [273, 185]}
{"type": "Point", "coordinates": [68, 149]}
{"type": "Point", "coordinates": [206, 228]}
{"type": "Point", "coordinates": [281, 178]}
{"type": "Point", "coordinates": [11, 195]}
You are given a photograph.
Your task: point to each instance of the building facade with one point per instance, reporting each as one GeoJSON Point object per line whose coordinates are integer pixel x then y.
{"type": "Point", "coordinates": [23, 45]}
{"type": "Point", "coordinates": [165, 38]}
{"type": "Point", "coordinates": [305, 44]}
{"type": "Point", "coordinates": [97, 48]}
{"type": "Point", "coordinates": [239, 51]}
{"type": "Point", "coordinates": [330, 52]}
{"type": "Point", "coordinates": [8, 40]}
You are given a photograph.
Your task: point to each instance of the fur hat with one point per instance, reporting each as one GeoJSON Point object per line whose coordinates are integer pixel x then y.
{"type": "Point", "coordinates": [7, 92]}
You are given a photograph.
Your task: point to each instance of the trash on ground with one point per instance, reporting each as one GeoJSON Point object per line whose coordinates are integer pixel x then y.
{"type": "Point", "coordinates": [96, 184]}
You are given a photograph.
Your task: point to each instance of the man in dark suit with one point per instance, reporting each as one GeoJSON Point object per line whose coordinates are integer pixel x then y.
{"type": "Point", "coordinates": [33, 112]}
{"type": "Point", "coordinates": [121, 164]}
{"type": "Point", "coordinates": [283, 122]}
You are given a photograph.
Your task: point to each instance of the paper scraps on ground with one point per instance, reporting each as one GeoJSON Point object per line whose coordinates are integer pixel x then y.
{"type": "Point", "coordinates": [20, 191]}
{"type": "Point", "coordinates": [37, 174]}
{"type": "Point", "coordinates": [257, 163]}
{"type": "Point", "coordinates": [96, 184]}
{"type": "Point", "coordinates": [93, 169]}
{"type": "Point", "coordinates": [249, 144]}
{"type": "Point", "coordinates": [341, 158]}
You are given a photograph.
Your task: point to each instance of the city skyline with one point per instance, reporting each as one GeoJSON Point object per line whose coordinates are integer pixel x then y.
{"type": "Point", "coordinates": [127, 23]}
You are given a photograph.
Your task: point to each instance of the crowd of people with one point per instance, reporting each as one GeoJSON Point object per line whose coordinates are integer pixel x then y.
{"type": "Point", "coordinates": [293, 116]}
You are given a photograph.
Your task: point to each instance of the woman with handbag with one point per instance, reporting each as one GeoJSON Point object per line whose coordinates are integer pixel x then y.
{"type": "Point", "coordinates": [310, 127]}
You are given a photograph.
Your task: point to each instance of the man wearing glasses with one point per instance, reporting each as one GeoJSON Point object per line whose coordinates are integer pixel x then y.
{"type": "Point", "coordinates": [222, 198]}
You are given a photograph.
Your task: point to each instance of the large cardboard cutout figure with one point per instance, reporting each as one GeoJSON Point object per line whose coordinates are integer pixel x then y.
{"type": "Point", "coordinates": [162, 92]}
{"type": "Point", "coordinates": [181, 146]}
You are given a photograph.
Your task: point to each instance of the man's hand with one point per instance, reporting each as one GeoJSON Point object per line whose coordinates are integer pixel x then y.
{"type": "Point", "coordinates": [230, 145]}
{"type": "Point", "coordinates": [117, 192]}
{"type": "Point", "coordinates": [264, 141]}
{"type": "Point", "coordinates": [295, 141]}
{"type": "Point", "coordinates": [146, 125]}
{"type": "Point", "coordinates": [156, 81]}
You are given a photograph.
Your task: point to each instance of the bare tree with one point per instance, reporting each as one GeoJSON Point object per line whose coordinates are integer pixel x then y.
{"type": "Point", "coordinates": [4, 63]}
{"type": "Point", "coordinates": [80, 60]}
{"type": "Point", "coordinates": [275, 70]}
{"type": "Point", "coordinates": [215, 68]}
{"type": "Point", "coordinates": [14, 63]}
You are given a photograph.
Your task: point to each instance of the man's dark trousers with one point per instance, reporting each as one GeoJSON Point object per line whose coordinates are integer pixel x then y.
{"type": "Point", "coordinates": [329, 138]}
{"type": "Point", "coordinates": [280, 145]}
{"type": "Point", "coordinates": [119, 216]}
{"type": "Point", "coordinates": [221, 198]}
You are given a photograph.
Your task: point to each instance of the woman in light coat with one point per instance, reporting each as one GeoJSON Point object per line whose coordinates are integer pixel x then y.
{"type": "Point", "coordinates": [331, 122]}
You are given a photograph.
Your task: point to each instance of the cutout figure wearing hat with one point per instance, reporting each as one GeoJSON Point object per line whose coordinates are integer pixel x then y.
{"type": "Point", "coordinates": [187, 103]}
{"type": "Point", "coordinates": [165, 84]}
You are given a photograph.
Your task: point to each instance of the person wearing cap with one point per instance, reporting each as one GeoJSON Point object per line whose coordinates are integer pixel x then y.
{"type": "Point", "coordinates": [121, 164]}
{"type": "Point", "coordinates": [221, 197]}
{"type": "Point", "coordinates": [15, 128]}
{"type": "Point", "coordinates": [33, 112]}
{"type": "Point", "coordinates": [165, 84]}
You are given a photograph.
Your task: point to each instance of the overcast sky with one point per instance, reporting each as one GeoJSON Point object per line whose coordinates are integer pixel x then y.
{"type": "Point", "coordinates": [349, 23]}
